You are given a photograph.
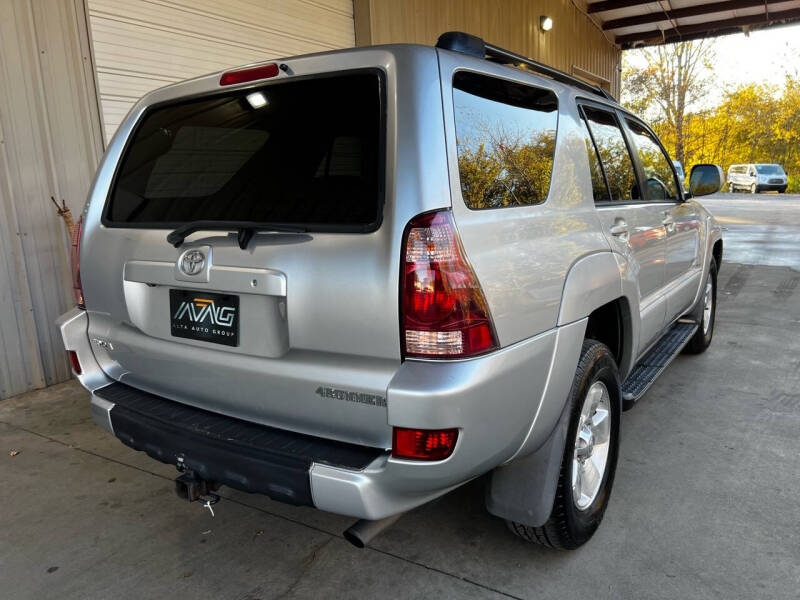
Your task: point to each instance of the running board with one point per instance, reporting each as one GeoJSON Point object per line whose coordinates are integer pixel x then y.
{"type": "Point", "coordinates": [655, 361]}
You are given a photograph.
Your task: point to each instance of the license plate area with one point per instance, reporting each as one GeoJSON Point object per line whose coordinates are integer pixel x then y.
{"type": "Point", "coordinates": [204, 316]}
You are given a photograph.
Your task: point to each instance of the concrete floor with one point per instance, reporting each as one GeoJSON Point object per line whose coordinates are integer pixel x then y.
{"type": "Point", "coordinates": [704, 503]}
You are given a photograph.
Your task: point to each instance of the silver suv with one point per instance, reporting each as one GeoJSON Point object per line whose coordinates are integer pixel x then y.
{"type": "Point", "coordinates": [359, 279]}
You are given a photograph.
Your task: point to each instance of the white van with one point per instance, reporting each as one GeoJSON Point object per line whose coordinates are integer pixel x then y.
{"type": "Point", "coordinates": [757, 178]}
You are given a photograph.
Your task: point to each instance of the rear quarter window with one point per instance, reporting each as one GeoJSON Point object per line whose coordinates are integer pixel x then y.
{"type": "Point", "coordinates": [505, 139]}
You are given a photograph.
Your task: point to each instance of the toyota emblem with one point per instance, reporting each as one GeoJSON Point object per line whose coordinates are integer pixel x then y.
{"type": "Point", "coordinates": [192, 262]}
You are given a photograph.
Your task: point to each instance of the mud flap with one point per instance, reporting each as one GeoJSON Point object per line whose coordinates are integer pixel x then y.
{"type": "Point", "coordinates": [524, 490]}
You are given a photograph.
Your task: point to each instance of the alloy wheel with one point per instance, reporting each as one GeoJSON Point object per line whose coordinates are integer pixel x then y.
{"type": "Point", "coordinates": [592, 443]}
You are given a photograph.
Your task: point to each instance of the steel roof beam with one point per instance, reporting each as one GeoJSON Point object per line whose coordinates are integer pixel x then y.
{"type": "Point", "coordinates": [606, 5]}
{"type": "Point", "coordinates": [676, 35]}
{"type": "Point", "coordinates": [680, 13]}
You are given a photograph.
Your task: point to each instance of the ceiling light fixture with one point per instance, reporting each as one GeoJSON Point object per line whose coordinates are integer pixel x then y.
{"type": "Point", "coordinates": [545, 23]}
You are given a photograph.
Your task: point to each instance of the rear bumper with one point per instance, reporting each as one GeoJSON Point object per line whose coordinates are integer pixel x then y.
{"type": "Point", "coordinates": [243, 455]}
{"type": "Point", "coordinates": [504, 404]}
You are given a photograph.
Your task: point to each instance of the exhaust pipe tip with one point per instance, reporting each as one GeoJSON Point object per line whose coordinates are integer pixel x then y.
{"type": "Point", "coordinates": [362, 532]}
{"type": "Point", "coordinates": [354, 538]}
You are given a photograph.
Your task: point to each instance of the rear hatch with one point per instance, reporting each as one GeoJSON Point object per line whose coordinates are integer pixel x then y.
{"type": "Point", "coordinates": [280, 305]}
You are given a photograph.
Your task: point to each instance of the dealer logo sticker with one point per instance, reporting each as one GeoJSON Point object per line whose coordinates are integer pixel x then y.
{"type": "Point", "coordinates": [203, 316]}
{"type": "Point", "coordinates": [203, 310]}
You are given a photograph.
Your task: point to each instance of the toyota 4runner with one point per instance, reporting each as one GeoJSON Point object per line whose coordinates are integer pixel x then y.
{"type": "Point", "coordinates": [357, 280]}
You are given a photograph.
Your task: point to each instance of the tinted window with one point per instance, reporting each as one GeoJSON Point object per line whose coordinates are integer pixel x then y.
{"type": "Point", "coordinates": [613, 154]}
{"type": "Point", "coordinates": [505, 136]}
{"type": "Point", "coordinates": [599, 187]}
{"type": "Point", "coordinates": [304, 151]}
{"type": "Point", "coordinates": [657, 166]}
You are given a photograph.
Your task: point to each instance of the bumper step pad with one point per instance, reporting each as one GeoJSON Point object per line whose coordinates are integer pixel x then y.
{"type": "Point", "coordinates": [655, 361]}
{"type": "Point", "coordinates": [240, 454]}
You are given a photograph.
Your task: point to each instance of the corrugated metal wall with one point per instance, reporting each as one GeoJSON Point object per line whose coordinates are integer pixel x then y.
{"type": "Point", "coordinates": [52, 127]}
{"type": "Point", "coordinates": [574, 40]}
{"type": "Point", "coordinates": [49, 146]}
{"type": "Point", "coordinates": [140, 45]}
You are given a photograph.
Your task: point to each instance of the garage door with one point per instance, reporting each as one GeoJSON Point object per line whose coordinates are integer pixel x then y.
{"type": "Point", "coordinates": [141, 45]}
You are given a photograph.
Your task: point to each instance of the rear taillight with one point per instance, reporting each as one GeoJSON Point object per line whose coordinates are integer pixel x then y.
{"type": "Point", "coordinates": [443, 310]}
{"type": "Point", "coordinates": [76, 364]}
{"type": "Point", "coordinates": [77, 232]}
{"type": "Point", "coordinates": [249, 74]}
{"type": "Point", "coordinates": [423, 444]}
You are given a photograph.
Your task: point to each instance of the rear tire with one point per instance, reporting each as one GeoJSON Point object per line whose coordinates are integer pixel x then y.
{"type": "Point", "coordinates": [731, 188]}
{"type": "Point", "coordinates": [592, 445]}
{"type": "Point", "coordinates": [705, 331]}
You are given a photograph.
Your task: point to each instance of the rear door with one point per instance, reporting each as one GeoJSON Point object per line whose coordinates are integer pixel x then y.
{"type": "Point", "coordinates": [682, 269]}
{"type": "Point", "coordinates": [632, 224]}
{"type": "Point", "coordinates": [740, 176]}
{"type": "Point", "coordinates": [296, 327]}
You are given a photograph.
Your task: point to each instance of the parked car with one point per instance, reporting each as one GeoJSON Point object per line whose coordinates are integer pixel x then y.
{"type": "Point", "coordinates": [757, 178]}
{"type": "Point", "coordinates": [356, 280]}
{"type": "Point", "coordinates": [681, 173]}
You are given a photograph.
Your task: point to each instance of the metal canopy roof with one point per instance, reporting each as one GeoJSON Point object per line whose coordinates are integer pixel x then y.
{"type": "Point", "coordinates": [636, 23]}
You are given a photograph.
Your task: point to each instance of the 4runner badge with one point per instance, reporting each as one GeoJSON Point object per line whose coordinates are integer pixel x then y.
{"type": "Point", "coordinates": [348, 396]}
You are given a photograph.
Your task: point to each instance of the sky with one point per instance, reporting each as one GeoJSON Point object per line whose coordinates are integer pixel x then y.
{"type": "Point", "coordinates": [764, 56]}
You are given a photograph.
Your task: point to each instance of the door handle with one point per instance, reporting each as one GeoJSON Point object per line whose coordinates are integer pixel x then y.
{"type": "Point", "coordinates": [619, 228]}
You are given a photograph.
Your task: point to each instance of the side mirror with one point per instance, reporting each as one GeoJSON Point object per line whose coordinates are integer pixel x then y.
{"type": "Point", "coordinates": [705, 180]}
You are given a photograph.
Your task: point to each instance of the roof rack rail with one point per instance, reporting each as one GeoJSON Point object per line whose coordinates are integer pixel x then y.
{"type": "Point", "coordinates": [459, 41]}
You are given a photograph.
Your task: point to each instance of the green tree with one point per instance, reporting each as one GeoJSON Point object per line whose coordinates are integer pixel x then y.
{"type": "Point", "coordinates": [752, 123]}
{"type": "Point", "coordinates": [666, 82]}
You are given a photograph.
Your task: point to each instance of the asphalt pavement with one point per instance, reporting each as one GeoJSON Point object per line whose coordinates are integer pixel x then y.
{"type": "Point", "coordinates": [704, 504]}
{"type": "Point", "coordinates": [760, 229]}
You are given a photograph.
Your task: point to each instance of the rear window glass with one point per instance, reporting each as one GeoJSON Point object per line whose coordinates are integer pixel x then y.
{"type": "Point", "coordinates": [505, 137]}
{"type": "Point", "coordinates": [305, 152]}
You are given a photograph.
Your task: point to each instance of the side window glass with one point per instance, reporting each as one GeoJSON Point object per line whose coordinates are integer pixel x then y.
{"type": "Point", "coordinates": [505, 138]}
{"type": "Point", "coordinates": [599, 187]}
{"type": "Point", "coordinates": [657, 168]}
{"type": "Point", "coordinates": [614, 154]}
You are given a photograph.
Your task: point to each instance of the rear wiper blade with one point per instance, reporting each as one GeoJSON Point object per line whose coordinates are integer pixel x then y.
{"type": "Point", "coordinates": [245, 230]}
